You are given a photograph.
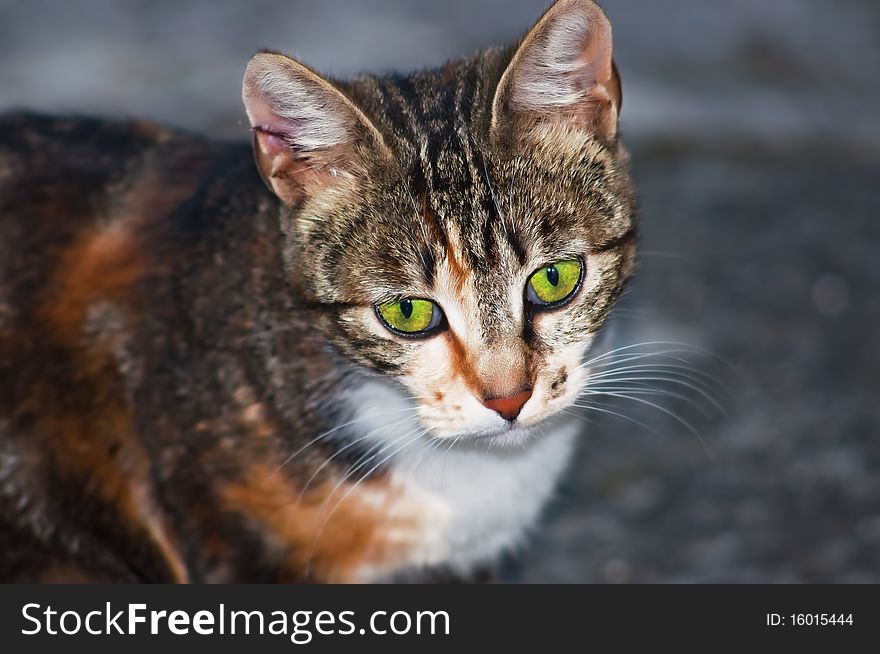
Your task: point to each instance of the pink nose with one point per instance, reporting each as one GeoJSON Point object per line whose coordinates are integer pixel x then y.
{"type": "Point", "coordinates": [510, 406]}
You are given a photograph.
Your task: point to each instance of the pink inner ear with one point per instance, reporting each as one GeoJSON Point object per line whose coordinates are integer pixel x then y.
{"type": "Point", "coordinates": [271, 143]}
{"type": "Point", "coordinates": [277, 132]}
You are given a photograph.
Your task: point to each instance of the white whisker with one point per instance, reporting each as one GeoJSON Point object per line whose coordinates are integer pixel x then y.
{"type": "Point", "coordinates": [351, 444]}
{"type": "Point", "coordinates": [601, 407]}
{"type": "Point", "coordinates": [337, 428]}
{"type": "Point", "coordinates": [666, 411]}
{"type": "Point", "coordinates": [620, 384]}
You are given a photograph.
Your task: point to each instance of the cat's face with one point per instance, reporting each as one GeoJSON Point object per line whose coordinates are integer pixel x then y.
{"type": "Point", "coordinates": [464, 231]}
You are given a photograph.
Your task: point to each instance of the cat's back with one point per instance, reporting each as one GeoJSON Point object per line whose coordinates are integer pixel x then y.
{"type": "Point", "coordinates": [54, 175]}
{"type": "Point", "coordinates": [60, 175]}
{"type": "Point", "coordinates": [82, 200]}
{"type": "Point", "coordinates": [67, 187]}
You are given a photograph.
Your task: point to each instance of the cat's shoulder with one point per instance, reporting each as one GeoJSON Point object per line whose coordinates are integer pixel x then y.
{"type": "Point", "coordinates": [40, 149]}
{"type": "Point", "coordinates": [62, 174]}
{"type": "Point", "coordinates": [28, 132]}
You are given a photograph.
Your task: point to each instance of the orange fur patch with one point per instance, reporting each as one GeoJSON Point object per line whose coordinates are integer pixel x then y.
{"type": "Point", "coordinates": [101, 450]}
{"type": "Point", "coordinates": [460, 365]}
{"type": "Point", "coordinates": [102, 265]}
{"type": "Point", "coordinates": [318, 535]}
{"type": "Point", "coordinates": [456, 272]}
{"type": "Point", "coordinates": [97, 443]}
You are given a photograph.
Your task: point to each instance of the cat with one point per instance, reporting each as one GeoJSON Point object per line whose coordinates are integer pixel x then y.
{"type": "Point", "coordinates": [340, 353]}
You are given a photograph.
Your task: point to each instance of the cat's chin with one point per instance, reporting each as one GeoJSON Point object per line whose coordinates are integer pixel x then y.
{"type": "Point", "coordinates": [504, 435]}
{"type": "Point", "coordinates": [509, 436]}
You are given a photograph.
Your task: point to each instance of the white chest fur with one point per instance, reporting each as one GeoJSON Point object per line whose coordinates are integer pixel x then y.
{"type": "Point", "coordinates": [472, 503]}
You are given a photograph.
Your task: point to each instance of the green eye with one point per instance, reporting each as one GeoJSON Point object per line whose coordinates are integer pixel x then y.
{"type": "Point", "coordinates": [410, 315]}
{"type": "Point", "coordinates": [554, 283]}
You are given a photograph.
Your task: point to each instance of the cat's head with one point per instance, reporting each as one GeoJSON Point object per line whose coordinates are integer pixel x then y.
{"type": "Point", "coordinates": [464, 230]}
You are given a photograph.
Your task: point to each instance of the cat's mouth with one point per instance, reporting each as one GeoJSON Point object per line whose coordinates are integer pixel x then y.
{"type": "Point", "coordinates": [512, 433]}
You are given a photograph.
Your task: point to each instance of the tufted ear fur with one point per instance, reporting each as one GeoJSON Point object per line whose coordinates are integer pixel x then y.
{"type": "Point", "coordinates": [562, 72]}
{"type": "Point", "coordinates": [307, 133]}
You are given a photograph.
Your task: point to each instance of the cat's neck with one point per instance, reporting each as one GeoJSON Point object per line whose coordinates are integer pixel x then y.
{"type": "Point", "coordinates": [476, 501]}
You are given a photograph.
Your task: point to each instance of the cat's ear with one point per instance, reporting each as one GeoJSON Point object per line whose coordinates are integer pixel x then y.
{"type": "Point", "coordinates": [307, 133]}
{"type": "Point", "coordinates": [561, 72]}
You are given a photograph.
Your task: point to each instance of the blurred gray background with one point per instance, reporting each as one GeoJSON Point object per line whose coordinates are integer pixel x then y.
{"type": "Point", "coordinates": [754, 129]}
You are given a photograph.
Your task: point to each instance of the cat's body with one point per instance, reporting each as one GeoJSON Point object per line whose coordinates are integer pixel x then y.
{"type": "Point", "coordinates": [196, 383]}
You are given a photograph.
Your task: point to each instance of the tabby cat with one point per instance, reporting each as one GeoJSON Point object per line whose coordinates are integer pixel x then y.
{"type": "Point", "coordinates": [349, 362]}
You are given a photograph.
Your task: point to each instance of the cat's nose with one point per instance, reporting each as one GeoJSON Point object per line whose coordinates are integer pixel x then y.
{"type": "Point", "coordinates": [510, 406]}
